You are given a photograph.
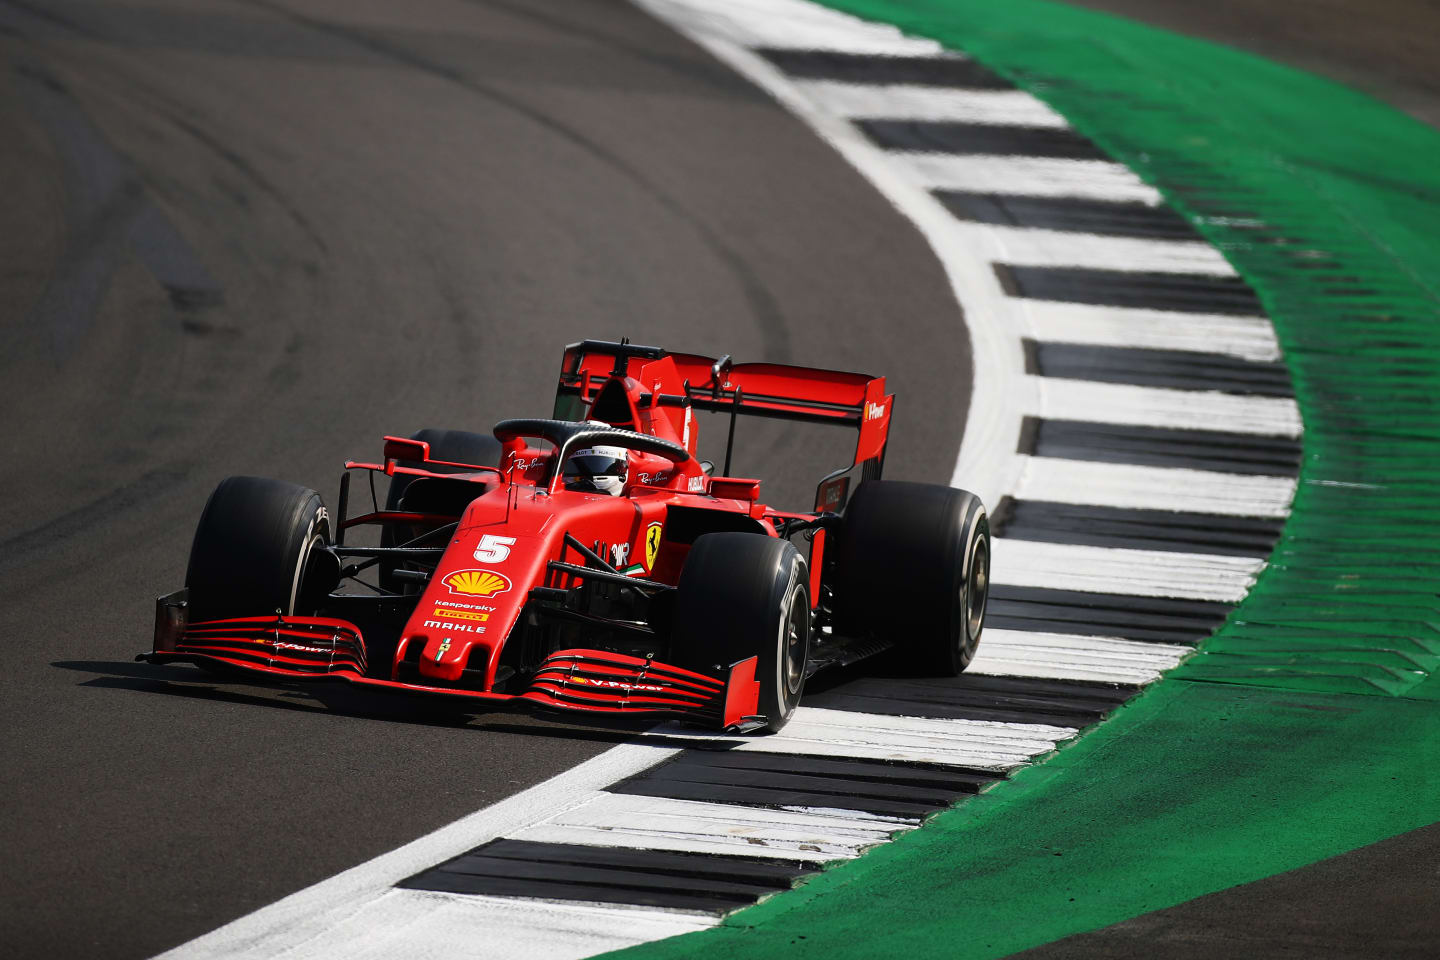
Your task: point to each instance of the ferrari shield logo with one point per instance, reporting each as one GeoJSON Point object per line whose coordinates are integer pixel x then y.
{"type": "Point", "coordinates": [652, 544]}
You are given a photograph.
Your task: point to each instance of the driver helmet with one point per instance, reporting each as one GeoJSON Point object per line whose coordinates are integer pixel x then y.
{"type": "Point", "coordinates": [597, 470]}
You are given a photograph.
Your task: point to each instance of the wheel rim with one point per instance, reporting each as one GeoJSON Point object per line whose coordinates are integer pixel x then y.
{"type": "Point", "coordinates": [794, 633]}
{"type": "Point", "coordinates": [977, 586]}
{"type": "Point", "coordinates": [317, 534]}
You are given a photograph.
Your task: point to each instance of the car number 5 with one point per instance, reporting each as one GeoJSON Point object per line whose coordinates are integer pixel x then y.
{"type": "Point", "coordinates": [493, 549]}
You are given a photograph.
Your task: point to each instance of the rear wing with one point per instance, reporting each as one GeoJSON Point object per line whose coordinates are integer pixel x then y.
{"type": "Point", "coordinates": [770, 390]}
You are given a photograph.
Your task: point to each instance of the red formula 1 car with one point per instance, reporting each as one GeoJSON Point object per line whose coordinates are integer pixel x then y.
{"type": "Point", "coordinates": [590, 563]}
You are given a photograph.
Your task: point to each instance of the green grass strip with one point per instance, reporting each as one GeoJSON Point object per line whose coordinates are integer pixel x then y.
{"type": "Point", "coordinates": [1305, 726]}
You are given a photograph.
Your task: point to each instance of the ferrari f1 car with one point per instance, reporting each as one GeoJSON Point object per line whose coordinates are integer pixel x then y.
{"type": "Point", "coordinates": [502, 571]}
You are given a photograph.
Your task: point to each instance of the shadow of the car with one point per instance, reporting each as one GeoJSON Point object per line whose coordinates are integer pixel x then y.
{"type": "Point", "coordinates": [183, 680]}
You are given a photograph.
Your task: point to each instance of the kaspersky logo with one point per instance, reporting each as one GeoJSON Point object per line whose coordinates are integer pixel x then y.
{"type": "Point", "coordinates": [477, 583]}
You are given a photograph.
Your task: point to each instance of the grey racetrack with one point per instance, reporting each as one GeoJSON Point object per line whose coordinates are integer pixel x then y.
{"type": "Point", "coordinates": [252, 237]}
{"type": "Point", "coordinates": [245, 236]}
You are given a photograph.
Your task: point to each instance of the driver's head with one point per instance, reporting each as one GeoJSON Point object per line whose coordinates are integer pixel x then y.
{"type": "Point", "coordinates": [596, 470]}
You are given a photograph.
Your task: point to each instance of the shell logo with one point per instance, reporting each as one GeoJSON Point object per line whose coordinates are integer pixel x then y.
{"type": "Point", "coordinates": [477, 583]}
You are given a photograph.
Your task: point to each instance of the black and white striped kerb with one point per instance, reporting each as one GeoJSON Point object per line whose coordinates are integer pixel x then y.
{"type": "Point", "coordinates": [567, 871]}
{"type": "Point", "coordinates": [1216, 451]}
{"type": "Point", "coordinates": [1049, 662]}
{"type": "Point", "coordinates": [1152, 290]}
{"type": "Point", "coordinates": [1100, 217]}
{"type": "Point", "coordinates": [777, 780]}
{"type": "Point", "coordinates": [1135, 529]}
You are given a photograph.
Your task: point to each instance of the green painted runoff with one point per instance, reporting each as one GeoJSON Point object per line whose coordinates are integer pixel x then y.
{"type": "Point", "coordinates": [1305, 727]}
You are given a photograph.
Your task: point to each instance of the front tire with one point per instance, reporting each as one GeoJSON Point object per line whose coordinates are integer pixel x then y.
{"type": "Point", "coordinates": [254, 551]}
{"type": "Point", "coordinates": [914, 565]}
{"type": "Point", "coordinates": [745, 595]}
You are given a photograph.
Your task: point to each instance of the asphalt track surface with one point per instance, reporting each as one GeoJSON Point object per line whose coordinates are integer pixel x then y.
{"type": "Point", "coordinates": [251, 237]}
{"type": "Point", "coordinates": [1378, 901]}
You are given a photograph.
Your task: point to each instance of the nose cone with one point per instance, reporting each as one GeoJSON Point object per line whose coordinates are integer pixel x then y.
{"type": "Point", "coordinates": [447, 650]}
{"type": "Point", "coordinates": [461, 621]}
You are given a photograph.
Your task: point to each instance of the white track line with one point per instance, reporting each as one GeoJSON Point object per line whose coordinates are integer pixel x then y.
{"type": "Point", "coordinates": [1126, 405]}
{"type": "Point", "coordinates": [1059, 656]}
{"type": "Point", "coordinates": [1247, 338]}
{"type": "Point", "coordinates": [819, 732]}
{"type": "Point", "coordinates": [1140, 573]}
{"type": "Point", "coordinates": [423, 925]}
{"type": "Point", "coordinates": [863, 101]}
{"type": "Point", "coordinates": [1154, 488]}
{"type": "Point", "coordinates": [1026, 176]}
{"type": "Point", "coordinates": [309, 916]}
{"type": "Point", "coordinates": [789, 26]}
{"type": "Point", "coordinates": [662, 823]}
{"type": "Point", "coordinates": [1031, 247]}
{"type": "Point", "coordinates": [968, 743]}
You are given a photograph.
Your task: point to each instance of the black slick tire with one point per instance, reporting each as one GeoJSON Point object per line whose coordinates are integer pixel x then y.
{"type": "Point", "coordinates": [254, 551]}
{"type": "Point", "coordinates": [747, 595]}
{"type": "Point", "coordinates": [914, 567]}
{"type": "Point", "coordinates": [455, 446]}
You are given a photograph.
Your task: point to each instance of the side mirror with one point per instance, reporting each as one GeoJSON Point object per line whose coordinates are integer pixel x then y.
{"type": "Point", "coordinates": [708, 467]}
{"type": "Point", "coordinates": [831, 495]}
{"type": "Point", "coordinates": [403, 448]}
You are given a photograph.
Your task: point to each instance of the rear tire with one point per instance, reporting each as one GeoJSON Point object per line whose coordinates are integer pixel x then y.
{"type": "Point", "coordinates": [456, 446]}
{"type": "Point", "coordinates": [914, 565]}
{"type": "Point", "coordinates": [745, 595]}
{"type": "Point", "coordinates": [254, 551]}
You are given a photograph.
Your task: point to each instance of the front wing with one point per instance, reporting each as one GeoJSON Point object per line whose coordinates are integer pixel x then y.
{"type": "Point", "coordinates": [593, 683]}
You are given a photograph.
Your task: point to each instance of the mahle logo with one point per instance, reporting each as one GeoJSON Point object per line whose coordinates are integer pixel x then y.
{"type": "Point", "coordinates": [477, 583]}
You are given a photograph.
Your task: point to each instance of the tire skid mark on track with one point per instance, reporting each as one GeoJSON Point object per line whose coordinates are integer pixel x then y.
{"type": "Point", "coordinates": [108, 210]}
{"type": "Point", "coordinates": [762, 303]}
{"type": "Point", "coordinates": [14, 550]}
{"type": "Point", "coordinates": [1119, 363]}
